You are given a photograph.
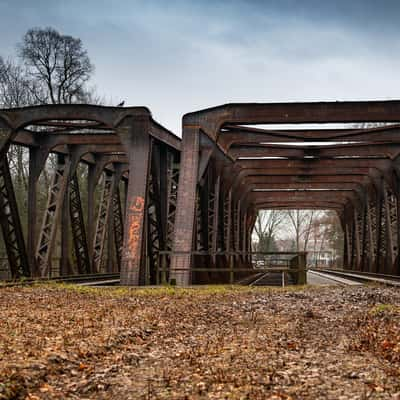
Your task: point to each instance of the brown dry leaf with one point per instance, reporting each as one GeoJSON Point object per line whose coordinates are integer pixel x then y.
{"type": "Point", "coordinates": [214, 343]}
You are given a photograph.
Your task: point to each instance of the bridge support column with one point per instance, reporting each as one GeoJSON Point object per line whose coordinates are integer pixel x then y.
{"type": "Point", "coordinates": [185, 214]}
{"type": "Point", "coordinates": [135, 137]}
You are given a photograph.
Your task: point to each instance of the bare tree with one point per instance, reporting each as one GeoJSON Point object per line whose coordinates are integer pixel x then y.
{"type": "Point", "coordinates": [14, 85]}
{"type": "Point", "coordinates": [267, 223]}
{"type": "Point", "coordinates": [52, 68]}
{"type": "Point", "coordinates": [333, 235]}
{"type": "Point", "coordinates": [14, 92]}
{"type": "Point", "coordinates": [301, 222]}
{"type": "Point", "coordinates": [58, 66]}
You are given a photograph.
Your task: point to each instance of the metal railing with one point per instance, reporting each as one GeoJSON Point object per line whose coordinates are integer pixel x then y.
{"type": "Point", "coordinates": [293, 263]}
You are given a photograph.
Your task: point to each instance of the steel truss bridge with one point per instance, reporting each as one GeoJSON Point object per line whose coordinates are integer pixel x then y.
{"type": "Point", "coordinates": [196, 200]}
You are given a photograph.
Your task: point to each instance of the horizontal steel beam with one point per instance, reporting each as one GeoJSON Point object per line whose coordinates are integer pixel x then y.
{"type": "Point", "coordinates": [316, 163]}
{"type": "Point", "coordinates": [300, 205]}
{"type": "Point", "coordinates": [212, 119]}
{"type": "Point", "coordinates": [110, 117]}
{"type": "Point", "coordinates": [241, 134]}
{"type": "Point", "coordinates": [306, 180]}
{"type": "Point", "coordinates": [378, 150]}
{"type": "Point", "coordinates": [306, 185]}
{"type": "Point", "coordinates": [310, 171]}
{"type": "Point", "coordinates": [310, 196]}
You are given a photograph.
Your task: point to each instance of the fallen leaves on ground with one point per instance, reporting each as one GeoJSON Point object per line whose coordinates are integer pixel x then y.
{"type": "Point", "coordinates": [64, 342]}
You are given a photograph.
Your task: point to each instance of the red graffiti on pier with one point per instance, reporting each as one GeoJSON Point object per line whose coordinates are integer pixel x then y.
{"type": "Point", "coordinates": [135, 222]}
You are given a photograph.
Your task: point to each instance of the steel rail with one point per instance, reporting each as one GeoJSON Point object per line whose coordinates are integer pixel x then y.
{"type": "Point", "coordinates": [62, 279]}
{"type": "Point", "coordinates": [385, 279]}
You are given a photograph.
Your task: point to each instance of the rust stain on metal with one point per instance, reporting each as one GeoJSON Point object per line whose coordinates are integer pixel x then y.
{"type": "Point", "coordinates": [135, 223]}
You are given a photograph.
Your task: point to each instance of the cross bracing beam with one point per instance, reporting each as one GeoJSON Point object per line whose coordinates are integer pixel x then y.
{"type": "Point", "coordinates": [236, 135]}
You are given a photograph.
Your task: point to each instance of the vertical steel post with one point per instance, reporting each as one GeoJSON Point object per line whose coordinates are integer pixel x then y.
{"type": "Point", "coordinates": [37, 161]}
{"type": "Point", "coordinates": [134, 134]}
{"type": "Point", "coordinates": [65, 267]}
{"type": "Point", "coordinates": [32, 207]}
{"type": "Point", "coordinates": [90, 221]}
{"type": "Point", "coordinates": [184, 221]}
{"type": "Point", "coordinates": [215, 227]}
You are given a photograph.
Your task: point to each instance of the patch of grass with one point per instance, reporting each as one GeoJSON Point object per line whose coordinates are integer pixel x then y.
{"type": "Point", "coordinates": [384, 309]}
{"type": "Point", "coordinates": [143, 291]}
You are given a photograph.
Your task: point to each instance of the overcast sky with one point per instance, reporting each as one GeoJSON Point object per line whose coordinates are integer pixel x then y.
{"type": "Point", "coordinates": [178, 56]}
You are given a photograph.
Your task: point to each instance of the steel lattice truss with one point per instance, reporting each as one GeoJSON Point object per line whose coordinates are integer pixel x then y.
{"type": "Point", "coordinates": [239, 158]}
{"type": "Point", "coordinates": [104, 232]}
{"type": "Point", "coordinates": [196, 199]}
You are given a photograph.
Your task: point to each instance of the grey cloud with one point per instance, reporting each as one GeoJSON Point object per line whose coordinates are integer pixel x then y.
{"type": "Point", "coordinates": [177, 56]}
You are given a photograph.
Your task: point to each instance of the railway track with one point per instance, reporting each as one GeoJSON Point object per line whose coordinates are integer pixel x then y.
{"type": "Point", "coordinates": [317, 276]}
{"type": "Point", "coordinates": [321, 278]}
{"type": "Point", "coordinates": [85, 280]}
{"type": "Point", "coordinates": [357, 276]}
{"type": "Point", "coordinates": [270, 278]}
